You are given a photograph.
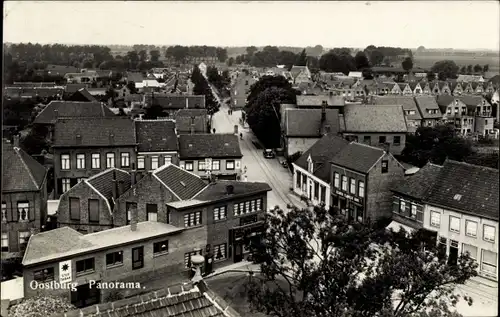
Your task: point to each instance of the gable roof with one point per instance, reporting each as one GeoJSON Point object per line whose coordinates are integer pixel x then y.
{"type": "Point", "coordinates": [321, 153]}
{"type": "Point", "coordinates": [60, 109]}
{"type": "Point", "coordinates": [317, 101]}
{"type": "Point", "coordinates": [218, 190]}
{"type": "Point", "coordinates": [419, 184]}
{"type": "Point", "coordinates": [71, 88]}
{"type": "Point", "coordinates": [407, 102]}
{"type": "Point", "coordinates": [358, 157]}
{"type": "Point", "coordinates": [156, 135]}
{"type": "Point", "coordinates": [470, 100]}
{"type": "Point", "coordinates": [182, 183]}
{"type": "Point", "coordinates": [173, 101]}
{"type": "Point", "coordinates": [469, 188]}
{"type": "Point", "coordinates": [198, 146]}
{"type": "Point", "coordinates": [134, 77]}
{"type": "Point", "coordinates": [425, 103]}
{"type": "Point", "coordinates": [67, 242]}
{"type": "Point", "coordinates": [104, 131]}
{"type": "Point", "coordinates": [307, 122]}
{"type": "Point", "coordinates": [445, 100]}
{"type": "Point", "coordinates": [20, 172]}
{"type": "Point", "coordinates": [183, 121]}
{"type": "Point", "coordinates": [103, 182]}
{"type": "Point", "coordinates": [82, 95]}
{"type": "Point", "coordinates": [369, 118]}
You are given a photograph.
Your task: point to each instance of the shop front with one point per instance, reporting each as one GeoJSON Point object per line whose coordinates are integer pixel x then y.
{"type": "Point", "coordinates": [242, 237]}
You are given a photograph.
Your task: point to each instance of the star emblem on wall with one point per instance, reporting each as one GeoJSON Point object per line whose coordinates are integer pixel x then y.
{"type": "Point", "coordinates": [65, 267]}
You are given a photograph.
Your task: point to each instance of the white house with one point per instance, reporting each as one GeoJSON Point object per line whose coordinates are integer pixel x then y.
{"type": "Point", "coordinates": [311, 171]}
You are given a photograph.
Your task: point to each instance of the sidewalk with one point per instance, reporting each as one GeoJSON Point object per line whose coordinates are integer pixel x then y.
{"type": "Point", "coordinates": [240, 266]}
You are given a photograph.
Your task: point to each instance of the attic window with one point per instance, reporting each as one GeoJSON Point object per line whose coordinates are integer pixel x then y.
{"type": "Point", "coordinates": [457, 197]}
{"type": "Point", "coordinates": [226, 144]}
{"type": "Point", "coordinates": [183, 184]}
{"type": "Point", "coordinates": [190, 145]}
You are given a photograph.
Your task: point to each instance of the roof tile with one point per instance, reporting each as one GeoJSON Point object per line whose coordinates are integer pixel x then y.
{"type": "Point", "coordinates": [358, 157]}
{"type": "Point", "coordinates": [307, 122]}
{"type": "Point", "coordinates": [369, 118]}
{"type": "Point", "coordinates": [201, 146]}
{"type": "Point", "coordinates": [60, 109]}
{"type": "Point", "coordinates": [183, 183]}
{"type": "Point", "coordinates": [156, 135]}
{"type": "Point", "coordinates": [20, 172]}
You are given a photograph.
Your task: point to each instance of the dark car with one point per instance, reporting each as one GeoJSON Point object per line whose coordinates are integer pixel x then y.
{"type": "Point", "coordinates": [268, 153]}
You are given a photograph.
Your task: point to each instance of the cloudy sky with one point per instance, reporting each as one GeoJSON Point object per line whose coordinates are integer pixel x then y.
{"type": "Point", "coordinates": [447, 24]}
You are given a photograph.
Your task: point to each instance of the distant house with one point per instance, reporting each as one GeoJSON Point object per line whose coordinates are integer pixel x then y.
{"type": "Point", "coordinates": [134, 77]}
{"type": "Point", "coordinates": [211, 155]}
{"type": "Point", "coordinates": [311, 172]}
{"type": "Point", "coordinates": [444, 88]}
{"type": "Point", "coordinates": [456, 88]}
{"type": "Point", "coordinates": [483, 113]}
{"type": "Point", "coordinates": [406, 89]}
{"type": "Point", "coordinates": [82, 95]}
{"type": "Point", "coordinates": [70, 89]}
{"type": "Point", "coordinates": [396, 89]}
{"type": "Point", "coordinates": [191, 121]}
{"type": "Point", "coordinates": [412, 114]}
{"type": "Point", "coordinates": [300, 74]}
{"type": "Point", "coordinates": [356, 74]}
{"type": "Point", "coordinates": [457, 113]}
{"type": "Point", "coordinates": [156, 144]}
{"type": "Point", "coordinates": [171, 103]}
{"type": "Point", "coordinates": [24, 198]}
{"type": "Point", "coordinates": [59, 70]}
{"type": "Point", "coordinates": [429, 110]}
{"type": "Point", "coordinates": [382, 126]}
{"type": "Point", "coordinates": [81, 77]}
{"type": "Point", "coordinates": [416, 88]}
{"type": "Point", "coordinates": [426, 88]}
{"type": "Point", "coordinates": [302, 128]}
{"type": "Point", "coordinates": [361, 178]}
{"type": "Point", "coordinates": [317, 102]}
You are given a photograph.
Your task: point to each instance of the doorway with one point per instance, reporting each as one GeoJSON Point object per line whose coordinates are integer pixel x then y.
{"type": "Point", "coordinates": [85, 295]}
{"type": "Point", "coordinates": [238, 252]}
{"type": "Point", "coordinates": [453, 257]}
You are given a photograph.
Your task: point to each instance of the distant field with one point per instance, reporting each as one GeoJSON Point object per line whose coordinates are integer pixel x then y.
{"type": "Point", "coordinates": [428, 61]}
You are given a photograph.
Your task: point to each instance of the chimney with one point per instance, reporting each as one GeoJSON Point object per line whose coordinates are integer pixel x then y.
{"type": "Point", "coordinates": [229, 189]}
{"type": "Point", "coordinates": [121, 188]}
{"type": "Point", "coordinates": [16, 140]}
{"type": "Point", "coordinates": [133, 219]}
{"type": "Point", "coordinates": [196, 262]}
{"type": "Point", "coordinates": [114, 185]}
{"type": "Point", "coordinates": [187, 103]}
{"type": "Point", "coordinates": [191, 129]}
{"type": "Point", "coordinates": [133, 175]}
{"type": "Point", "coordinates": [386, 146]}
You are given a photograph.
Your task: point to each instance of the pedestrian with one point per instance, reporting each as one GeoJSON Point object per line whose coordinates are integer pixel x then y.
{"type": "Point", "coordinates": [214, 130]}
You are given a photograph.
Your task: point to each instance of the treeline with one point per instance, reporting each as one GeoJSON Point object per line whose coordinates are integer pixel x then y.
{"type": "Point", "coordinates": [185, 53]}
{"type": "Point", "coordinates": [220, 81]}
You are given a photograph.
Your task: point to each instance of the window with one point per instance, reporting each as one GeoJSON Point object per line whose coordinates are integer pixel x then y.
{"type": "Point", "coordinates": [4, 212]}
{"type": "Point", "coordinates": [367, 139]}
{"type": "Point", "coordinates": [192, 219]}
{"type": "Point", "coordinates": [397, 140]}
{"type": "Point", "coordinates": [152, 211]}
{"type": "Point", "coordinates": [74, 206]}
{"type": "Point", "coordinates": [230, 165]}
{"type": "Point", "coordinates": [336, 182]}
{"type": "Point", "coordinates": [489, 262]}
{"type": "Point", "coordinates": [110, 160]}
{"type": "Point", "coordinates": [96, 160]}
{"type": "Point", "coordinates": [201, 165]}
{"type": "Point", "coordinates": [454, 224]}
{"type": "Point", "coordinates": [137, 258]}
{"type": "Point", "coordinates": [385, 166]}
{"type": "Point", "coordinates": [220, 252]}
{"type": "Point", "coordinates": [129, 207]}
{"type": "Point", "coordinates": [316, 190]}
{"type": "Point", "coordinates": [259, 204]}
{"type": "Point", "coordinates": [471, 228]}
{"type": "Point", "coordinates": [80, 179]}
{"type": "Point", "coordinates": [65, 162]}
{"type": "Point", "coordinates": [489, 233]}
{"type": "Point", "coordinates": [24, 237]}
{"type": "Point", "coordinates": [413, 211]}
{"type": "Point", "coordinates": [361, 189]}
{"type": "Point", "coordinates": [252, 206]}
{"type": "Point", "coordinates": [154, 162]}
{"type": "Point", "coordinates": [140, 162]}
{"type": "Point", "coordinates": [220, 213]}
{"type": "Point", "coordinates": [23, 208]}
{"type": "Point", "coordinates": [85, 266]}
{"type": "Point", "coordinates": [353, 186]}
{"type": "Point", "coordinates": [215, 165]}
{"type": "Point", "coordinates": [125, 159]}
{"type": "Point", "coordinates": [5, 242]}
{"type": "Point", "coordinates": [93, 210]}
{"type": "Point", "coordinates": [382, 139]}
{"type": "Point", "coordinates": [472, 250]}
{"type": "Point", "coordinates": [160, 247]}
{"type": "Point", "coordinates": [323, 194]}
{"type": "Point", "coordinates": [298, 179]}
{"type": "Point", "coordinates": [187, 257]}
{"type": "Point", "coordinates": [247, 207]}
{"type": "Point", "coordinates": [44, 275]}
{"type": "Point", "coordinates": [114, 259]}
{"type": "Point", "coordinates": [66, 184]}
{"type": "Point", "coordinates": [189, 165]}
{"type": "Point", "coordinates": [344, 183]}
{"type": "Point", "coordinates": [167, 159]}
{"type": "Point", "coordinates": [402, 206]}
{"type": "Point", "coordinates": [80, 161]}
{"type": "Point", "coordinates": [236, 210]}
{"type": "Point", "coordinates": [435, 219]}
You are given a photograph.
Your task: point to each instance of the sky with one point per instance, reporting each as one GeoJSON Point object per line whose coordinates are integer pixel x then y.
{"type": "Point", "coordinates": [433, 24]}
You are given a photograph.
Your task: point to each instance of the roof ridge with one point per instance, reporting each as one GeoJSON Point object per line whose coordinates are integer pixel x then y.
{"type": "Point", "coordinates": [104, 172]}
{"type": "Point", "coordinates": [17, 150]}
{"type": "Point", "coordinates": [471, 165]}
{"type": "Point", "coordinates": [366, 145]}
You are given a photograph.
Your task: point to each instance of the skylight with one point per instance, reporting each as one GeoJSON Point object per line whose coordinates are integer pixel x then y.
{"type": "Point", "coordinates": [183, 184]}
{"type": "Point", "coordinates": [457, 197]}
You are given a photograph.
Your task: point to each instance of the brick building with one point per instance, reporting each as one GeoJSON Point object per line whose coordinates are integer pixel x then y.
{"type": "Point", "coordinates": [191, 121]}
{"type": "Point", "coordinates": [218, 155]}
{"type": "Point", "coordinates": [361, 177]}
{"type": "Point", "coordinates": [86, 146]}
{"type": "Point", "coordinates": [171, 103]}
{"type": "Point", "coordinates": [24, 198]}
{"type": "Point", "coordinates": [156, 143]}
{"type": "Point", "coordinates": [231, 211]}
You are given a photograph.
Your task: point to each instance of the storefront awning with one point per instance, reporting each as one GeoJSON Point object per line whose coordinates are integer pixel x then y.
{"type": "Point", "coordinates": [396, 226]}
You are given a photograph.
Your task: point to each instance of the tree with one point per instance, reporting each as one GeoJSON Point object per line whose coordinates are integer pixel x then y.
{"type": "Point", "coordinates": [221, 54]}
{"type": "Point", "coordinates": [361, 60]}
{"type": "Point", "coordinates": [35, 141]}
{"type": "Point", "coordinates": [431, 76]}
{"type": "Point", "coordinates": [486, 68]}
{"type": "Point", "coordinates": [317, 263]}
{"type": "Point", "coordinates": [302, 59]}
{"type": "Point", "coordinates": [420, 49]}
{"type": "Point", "coordinates": [463, 70]}
{"type": "Point", "coordinates": [131, 87]}
{"type": "Point", "coordinates": [251, 50]}
{"type": "Point", "coordinates": [407, 64]}
{"type": "Point", "coordinates": [435, 144]}
{"type": "Point", "coordinates": [155, 55]}
{"type": "Point", "coordinates": [376, 57]}
{"type": "Point", "coordinates": [154, 111]}
{"type": "Point", "coordinates": [448, 68]}
{"type": "Point", "coordinates": [41, 306]}
{"type": "Point", "coordinates": [477, 68]}
{"type": "Point", "coordinates": [331, 62]}
{"type": "Point", "coordinates": [469, 69]}
{"type": "Point", "coordinates": [230, 61]}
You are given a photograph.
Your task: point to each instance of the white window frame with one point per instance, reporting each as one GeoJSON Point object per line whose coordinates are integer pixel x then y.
{"type": "Point", "coordinates": [80, 161]}
{"type": "Point", "coordinates": [141, 162]}
{"type": "Point", "coordinates": [4, 212]}
{"type": "Point", "coordinates": [201, 166]}
{"type": "Point", "coordinates": [215, 165]}
{"type": "Point", "coordinates": [230, 165]}
{"type": "Point", "coordinates": [26, 206]}
{"type": "Point", "coordinates": [413, 211]}
{"type": "Point", "coordinates": [344, 183]}
{"type": "Point", "coordinates": [65, 162]}
{"type": "Point", "coordinates": [352, 187]}
{"type": "Point", "coordinates": [220, 247]}
{"type": "Point", "coordinates": [110, 160]}
{"type": "Point", "coordinates": [402, 206]}
{"type": "Point", "coordinates": [65, 184]}
{"type": "Point", "coordinates": [125, 159]}
{"type": "Point", "coordinates": [154, 162]}
{"type": "Point", "coordinates": [493, 267]}
{"type": "Point", "coordinates": [452, 219]}
{"type": "Point", "coordinates": [489, 237]}
{"type": "Point", "coordinates": [189, 165]}
{"type": "Point", "coordinates": [192, 219]}
{"type": "Point", "coordinates": [96, 161]}
{"type": "Point", "coordinates": [361, 189]}
{"type": "Point", "coordinates": [433, 222]}
{"type": "Point", "coordinates": [5, 242]}
{"type": "Point", "coordinates": [463, 250]}
{"type": "Point", "coordinates": [336, 181]}
{"type": "Point", "coordinates": [167, 159]}
{"type": "Point", "coordinates": [467, 226]}
{"type": "Point", "coordinates": [24, 237]}
{"type": "Point", "coordinates": [220, 213]}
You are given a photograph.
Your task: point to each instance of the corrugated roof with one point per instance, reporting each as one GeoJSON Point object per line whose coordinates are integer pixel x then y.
{"type": "Point", "coordinates": [370, 118]}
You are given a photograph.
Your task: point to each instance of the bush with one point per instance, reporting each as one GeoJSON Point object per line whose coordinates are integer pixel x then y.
{"type": "Point", "coordinates": [113, 296]}
{"type": "Point", "coordinates": [11, 267]}
{"type": "Point", "coordinates": [41, 307]}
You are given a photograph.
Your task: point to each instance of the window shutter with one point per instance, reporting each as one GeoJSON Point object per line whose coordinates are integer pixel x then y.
{"type": "Point", "coordinates": [93, 210]}
{"type": "Point", "coordinates": [73, 182]}
{"type": "Point", "coordinates": [15, 214]}
{"type": "Point", "coordinates": [407, 209]}
{"type": "Point", "coordinates": [9, 211]}
{"type": "Point", "coordinates": [31, 210]}
{"type": "Point", "coordinates": [59, 186]}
